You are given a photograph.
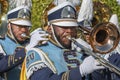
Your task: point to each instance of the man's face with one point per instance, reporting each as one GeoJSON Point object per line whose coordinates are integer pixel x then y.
{"type": "Point", "coordinates": [62, 33]}
{"type": "Point", "coordinates": [87, 36]}
{"type": "Point", "coordinates": [18, 30]}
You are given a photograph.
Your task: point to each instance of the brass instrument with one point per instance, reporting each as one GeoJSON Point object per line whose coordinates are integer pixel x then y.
{"type": "Point", "coordinates": [44, 20]}
{"type": "Point", "coordinates": [25, 36]}
{"type": "Point", "coordinates": [101, 60]}
{"type": "Point", "coordinates": [3, 21]}
{"type": "Point", "coordinates": [104, 37]}
{"type": "Point", "coordinates": [102, 12]}
{"type": "Point", "coordinates": [101, 26]}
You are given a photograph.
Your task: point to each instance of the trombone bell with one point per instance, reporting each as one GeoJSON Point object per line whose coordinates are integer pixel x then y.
{"type": "Point", "coordinates": [104, 37]}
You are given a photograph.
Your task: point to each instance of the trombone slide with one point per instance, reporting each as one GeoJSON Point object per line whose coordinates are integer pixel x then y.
{"type": "Point", "coordinates": [101, 60]}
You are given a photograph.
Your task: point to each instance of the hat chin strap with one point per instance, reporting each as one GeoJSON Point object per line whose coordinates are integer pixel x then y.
{"type": "Point", "coordinates": [11, 34]}
{"type": "Point", "coordinates": [55, 37]}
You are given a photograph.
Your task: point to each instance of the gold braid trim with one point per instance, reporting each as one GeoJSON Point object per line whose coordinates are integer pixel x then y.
{"type": "Point", "coordinates": [23, 71]}
{"type": "Point", "coordinates": [13, 57]}
{"type": "Point", "coordinates": [9, 58]}
{"type": "Point", "coordinates": [65, 76]}
{"type": "Point", "coordinates": [5, 76]}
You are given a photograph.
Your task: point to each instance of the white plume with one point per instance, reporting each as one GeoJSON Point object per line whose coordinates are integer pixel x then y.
{"type": "Point", "coordinates": [15, 3]}
{"type": "Point", "coordinates": [118, 1]}
{"type": "Point", "coordinates": [114, 20]}
{"type": "Point", "coordinates": [12, 4]}
{"type": "Point", "coordinates": [86, 11]}
{"type": "Point", "coordinates": [74, 2]}
{"type": "Point", "coordinates": [24, 2]}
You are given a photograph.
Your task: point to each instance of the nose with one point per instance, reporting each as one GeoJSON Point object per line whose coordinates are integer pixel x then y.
{"type": "Point", "coordinates": [24, 29]}
{"type": "Point", "coordinates": [69, 30]}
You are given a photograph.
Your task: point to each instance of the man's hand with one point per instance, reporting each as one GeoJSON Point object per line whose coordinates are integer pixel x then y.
{"type": "Point", "coordinates": [37, 36]}
{"type": "Point", "coordinates": [89, 65]}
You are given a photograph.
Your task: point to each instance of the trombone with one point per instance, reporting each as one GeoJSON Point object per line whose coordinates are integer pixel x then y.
{"type": "Point", "coordinates": [101, 60]}
{"type": "Point", "coordinates": [104, 38]}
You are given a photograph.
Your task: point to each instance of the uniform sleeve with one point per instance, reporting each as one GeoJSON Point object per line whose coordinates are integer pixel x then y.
{"type": "Point", "coordinates": [115, 60]}
{"type": "Point", "coordinates": [103, 74]}
{"type": "Point", "coordinates": [8, 62]}
{"type": "Point", "coordinates": [47, 74]}
{"type": "Point", "coordinates": [106, 74]}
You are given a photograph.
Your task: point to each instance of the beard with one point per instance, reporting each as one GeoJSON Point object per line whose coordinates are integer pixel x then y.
{"type": "Point", "coordinates": [66, 43]}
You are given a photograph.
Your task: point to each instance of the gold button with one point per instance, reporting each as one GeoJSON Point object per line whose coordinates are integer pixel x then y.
{"type": "Point", "coordinates": [16, 60]}
{"type": "Point", "coordinates": [20, 57]}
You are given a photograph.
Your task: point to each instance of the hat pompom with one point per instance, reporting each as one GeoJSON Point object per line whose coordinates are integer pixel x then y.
{"type": "Point", "coordinates": [114, 19]}
{"type": "Point", "coordinates": [16, 3]}
{"type": "Point", "coordinates": [86, 11]}
{"type": "Point", "coordinates": [74, 2]}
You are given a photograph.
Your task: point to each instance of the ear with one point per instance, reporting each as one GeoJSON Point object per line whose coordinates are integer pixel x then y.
{"type": "Point", "coordinates": [49, 30]}
{"type": "Point", "coordinates": [9, 26]}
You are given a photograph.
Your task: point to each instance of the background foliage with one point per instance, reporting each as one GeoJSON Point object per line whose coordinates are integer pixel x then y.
{"type": "Point", "coordinates": [40, 5]}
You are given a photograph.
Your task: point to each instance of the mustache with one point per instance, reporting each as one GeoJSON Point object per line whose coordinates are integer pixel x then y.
{"type": "Point", "coordinates": [68, 36]}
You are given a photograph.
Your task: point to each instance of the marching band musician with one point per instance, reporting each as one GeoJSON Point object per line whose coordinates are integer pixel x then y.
{"type": "Point", "coordinates": [17, 25]}
{"type": "Point", "coordinates": [12, 52]}
{"type": "Point", "coordinates": [40, 64]}
{"type": "Point", "coordinates": [55, 60]}
{"type": "Point", "coordinates": [112, 57]}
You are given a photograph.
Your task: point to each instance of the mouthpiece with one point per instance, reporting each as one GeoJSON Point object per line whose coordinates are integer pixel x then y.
{"type": "Point", "coordinates": [69, 37]}
{"type": "Point", "coordinates": [25, 36]}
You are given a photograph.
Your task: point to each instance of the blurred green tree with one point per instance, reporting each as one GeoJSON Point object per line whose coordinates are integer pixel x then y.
{"type": "Point", "coordinates": [40, 5]}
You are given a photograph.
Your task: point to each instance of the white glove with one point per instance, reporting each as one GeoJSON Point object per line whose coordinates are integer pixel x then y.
{"type": "Point", "coordinates": [89, 65]}
{"type": "Point", "coordinates": [37, 36]}
{"type": "Point", "coordinates": [36, 30]}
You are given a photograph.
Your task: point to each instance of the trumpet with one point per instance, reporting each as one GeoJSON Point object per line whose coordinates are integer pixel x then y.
{"type": "Point", "coordinates": [3, 20]}
{"type": "Point", "coordinates": [101, 60]}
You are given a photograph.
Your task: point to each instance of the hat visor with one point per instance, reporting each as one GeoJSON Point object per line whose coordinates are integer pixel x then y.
{"type": "Point", "coordinates": [65, 23]}
{"type": "Point", "coordinates": [22, 22]}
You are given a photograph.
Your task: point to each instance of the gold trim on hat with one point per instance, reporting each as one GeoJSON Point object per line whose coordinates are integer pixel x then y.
{"type": "Point", "coordinates": [16, 19]}
{"type": "Point", "coordinates": [63, 20]}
